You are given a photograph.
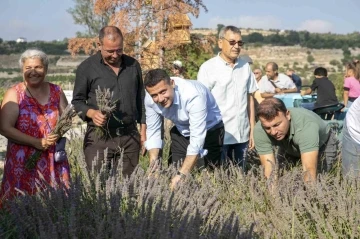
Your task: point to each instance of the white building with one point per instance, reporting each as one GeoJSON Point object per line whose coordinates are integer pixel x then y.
{"type": "Point", "coordinates": [21, 39]}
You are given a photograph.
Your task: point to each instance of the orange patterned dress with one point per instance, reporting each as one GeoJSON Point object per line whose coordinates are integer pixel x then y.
{"type": "Point", "coordinates": [32, 121]}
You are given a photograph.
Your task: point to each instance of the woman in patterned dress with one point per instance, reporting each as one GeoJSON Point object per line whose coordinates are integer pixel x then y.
{"type": "Point", "coordinates": [28, 114]}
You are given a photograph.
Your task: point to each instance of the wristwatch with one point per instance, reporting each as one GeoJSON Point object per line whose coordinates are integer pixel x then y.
{"type": "Point", "coordinates": [182, 176]}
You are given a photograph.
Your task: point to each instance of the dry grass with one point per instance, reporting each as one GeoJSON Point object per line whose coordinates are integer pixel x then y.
{"type": "Point", "coordinates": [225, 203]}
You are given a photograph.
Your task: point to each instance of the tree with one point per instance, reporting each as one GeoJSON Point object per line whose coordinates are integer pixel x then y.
{"type": "Point", "coordinates": [310, 58]}
{"type": "Point", "coordinates": [219, 27]}
{"type": "Point", "coordinates": [141, 22]}
{"type": "Point", "coordinates": [83, 14]}
{"type": "Point", "coordinates": [255, 37]}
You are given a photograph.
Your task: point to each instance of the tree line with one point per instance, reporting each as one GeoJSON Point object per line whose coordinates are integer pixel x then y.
{"type": "Point", "coordinates": [50, 47]}
{"type": "Point", "coordinates": [307, 39]}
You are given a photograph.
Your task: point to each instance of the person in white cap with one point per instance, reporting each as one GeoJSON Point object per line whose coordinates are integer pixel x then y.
{"type": "Point", "coordinates": [178, 69]}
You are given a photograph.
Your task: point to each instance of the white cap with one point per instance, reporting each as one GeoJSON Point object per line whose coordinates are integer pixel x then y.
{"type": "Point", "coordinates": [177, 63]}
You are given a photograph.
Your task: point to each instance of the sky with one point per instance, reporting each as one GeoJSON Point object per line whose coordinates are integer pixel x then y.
{"type": "Point", "coordinates": [49, 20]}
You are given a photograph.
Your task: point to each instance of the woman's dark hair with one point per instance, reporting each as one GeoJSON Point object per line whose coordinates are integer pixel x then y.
{"type": "Point", "coordinates": [153, 77]}
{"type": "Point", "coordinates": [270, 108]}
{"type": "Point", "coordinates": [355, 66]}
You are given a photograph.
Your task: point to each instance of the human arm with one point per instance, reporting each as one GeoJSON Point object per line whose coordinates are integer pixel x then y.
{"type": "Point", "coordinates": [197, 111]}
{"type": "Point", "coordinates": [189, 162]}
{"type": "Point", "coordinates": [309, 162]}
{"type": "Point", "coordinates": [268, 163]}
{"type": "Point", "coordinates": [143, 138]}
{"type": "Point", "coordinates": [347, 86]}
{"type": "Point", "coordinates": [80, 97]}
{"type": "Point", "coordinates": [252, 88]}
{"type": "Point", "coordinates": [9, 114]}
{"type": "Point", "coordinates": [346, 97]}
{"type": "Point", "coordinates": [140, 105]}
{"type": "Point", "coordinates": [153, 141]}
{"type": "Point", "coordinates": [267, 95]}
{"type": "Point", "coordinates": [292, 90]}
{"type": "Point", "coordinates": [251, 113]}
{"type": "Point", "coordinates": [308, 91]}
{"type": "Point", "coordinates": [63, 102]}
{"type": "Point", "coordinates": [264, 148]}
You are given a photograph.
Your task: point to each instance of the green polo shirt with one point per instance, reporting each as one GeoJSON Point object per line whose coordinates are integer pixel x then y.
{"type": "Point", "coordinates": [308, 132]}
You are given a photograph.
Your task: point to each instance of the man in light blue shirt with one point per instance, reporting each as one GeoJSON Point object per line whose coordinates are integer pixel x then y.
{"type": "Point", "coordinates": [198, 130]}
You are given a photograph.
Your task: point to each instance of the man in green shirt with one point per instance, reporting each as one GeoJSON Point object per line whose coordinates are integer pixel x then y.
{"type": "Point", "coordinates": [299, 134]}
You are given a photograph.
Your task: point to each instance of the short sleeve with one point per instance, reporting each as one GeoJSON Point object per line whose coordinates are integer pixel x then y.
{"type": "Point", "coordinates": [347, 82]}
{"type": "Point", "coordinates": [263, 143]}
{"type": "Point", "coordinates": [314, 85]}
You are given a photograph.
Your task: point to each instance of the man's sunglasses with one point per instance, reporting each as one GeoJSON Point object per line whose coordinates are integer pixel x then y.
{"type": "Point", "coordinates": [233, 42]}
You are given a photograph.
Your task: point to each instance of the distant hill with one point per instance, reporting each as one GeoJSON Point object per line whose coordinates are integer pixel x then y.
{"type": "Point", "coordinates": [244, 31]}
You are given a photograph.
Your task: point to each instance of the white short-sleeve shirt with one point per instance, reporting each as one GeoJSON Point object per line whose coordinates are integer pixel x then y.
{"type": "Point", "coordinates": [353, 120]}
{"type": "Point", "coordinates": [230, 87]}
{"type": "Point", "coordinates": [282, 82]}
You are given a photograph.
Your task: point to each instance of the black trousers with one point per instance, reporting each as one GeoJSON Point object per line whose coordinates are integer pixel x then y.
{"type": "Point", "coordinates": [128, 141]}
{"type": "Point", "coordinates": [213, 143]}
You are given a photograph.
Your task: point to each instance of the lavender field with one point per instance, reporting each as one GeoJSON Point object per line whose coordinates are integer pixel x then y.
{"type": "Point", "coordinates": [225, 203]}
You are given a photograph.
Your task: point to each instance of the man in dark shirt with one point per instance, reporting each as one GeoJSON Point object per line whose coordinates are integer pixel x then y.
{"type": "Point", "coordinates": [325, 90]}
{"type": "Point", "coordinates": [295, 78]}
{"type": "Point", "coordinates": [110, 69]}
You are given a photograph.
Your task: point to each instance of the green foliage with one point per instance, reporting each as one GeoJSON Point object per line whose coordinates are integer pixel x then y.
{"type": "Point", "coordinates": [83, 14]}
{"type": "Point", "coordinates": [255, 37]}
{"type": "Point", "coordinates": [338, 80]}
{"type": "Point", "coordinates": [334, 62]}
{"type": "Point", "coordinates": [50, 48]}
{"type": "Point", "coordinates": [191, 55]}
{"type": "Point", "coordinates": [310, 59]}
{"type": "Point", "coordinates": [307, 39]}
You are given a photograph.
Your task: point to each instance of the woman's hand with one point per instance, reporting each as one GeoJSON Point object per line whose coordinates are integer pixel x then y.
{"type": "Point", "coordinates": [45, 143]}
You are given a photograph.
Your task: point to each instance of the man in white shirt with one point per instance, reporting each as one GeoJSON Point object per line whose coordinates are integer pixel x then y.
{"type": "Point", "coordinates": [351, 141]}
{"type": "Point", "coordinates": [275, 83]}
{"type": "Point", "coordinates": [232, 83]}
{"type": "Point", "coordinates": [198, 130]}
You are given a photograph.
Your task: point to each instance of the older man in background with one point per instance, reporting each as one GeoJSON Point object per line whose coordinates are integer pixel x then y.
{"type": "Point", "coordinates": [274, 82]}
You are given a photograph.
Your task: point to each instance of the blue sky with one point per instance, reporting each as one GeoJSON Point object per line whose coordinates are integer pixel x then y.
{"type": "Point", "coordinates": [49, 20]}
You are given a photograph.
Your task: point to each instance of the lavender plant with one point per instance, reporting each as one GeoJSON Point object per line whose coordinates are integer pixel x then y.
{"type": "Point", "coordinates": [226, 203]}
{"type": "Point", "coordinates": [106, 105]}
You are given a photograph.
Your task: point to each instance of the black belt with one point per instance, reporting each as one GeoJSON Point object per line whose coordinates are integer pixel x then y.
{"type": "Point", "coordinates": [125, 129]}
{"type": "Point", "coordinates": [352, 99]}
{"type": "Point", "coordinates": [217, 126]}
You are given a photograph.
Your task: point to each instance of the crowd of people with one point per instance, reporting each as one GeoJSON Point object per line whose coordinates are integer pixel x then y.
{"type": "Point", "coordinates": [229, 110]}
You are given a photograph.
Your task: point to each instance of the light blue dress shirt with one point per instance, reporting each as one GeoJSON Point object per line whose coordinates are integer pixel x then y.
{"type": "Point", "coordinates": [193, 111]}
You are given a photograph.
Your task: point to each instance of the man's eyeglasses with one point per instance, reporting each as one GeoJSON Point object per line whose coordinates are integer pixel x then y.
{"type": "Point", "coordinates": [118, 51]}
{"type": "Point", "coordinates": [233, 42]}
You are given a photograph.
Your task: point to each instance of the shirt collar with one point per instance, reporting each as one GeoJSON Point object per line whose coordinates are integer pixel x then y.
{"type": "Point", "coordinates": [176, 95]}
{"type": "Point", "coordinates": [226, 63]}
